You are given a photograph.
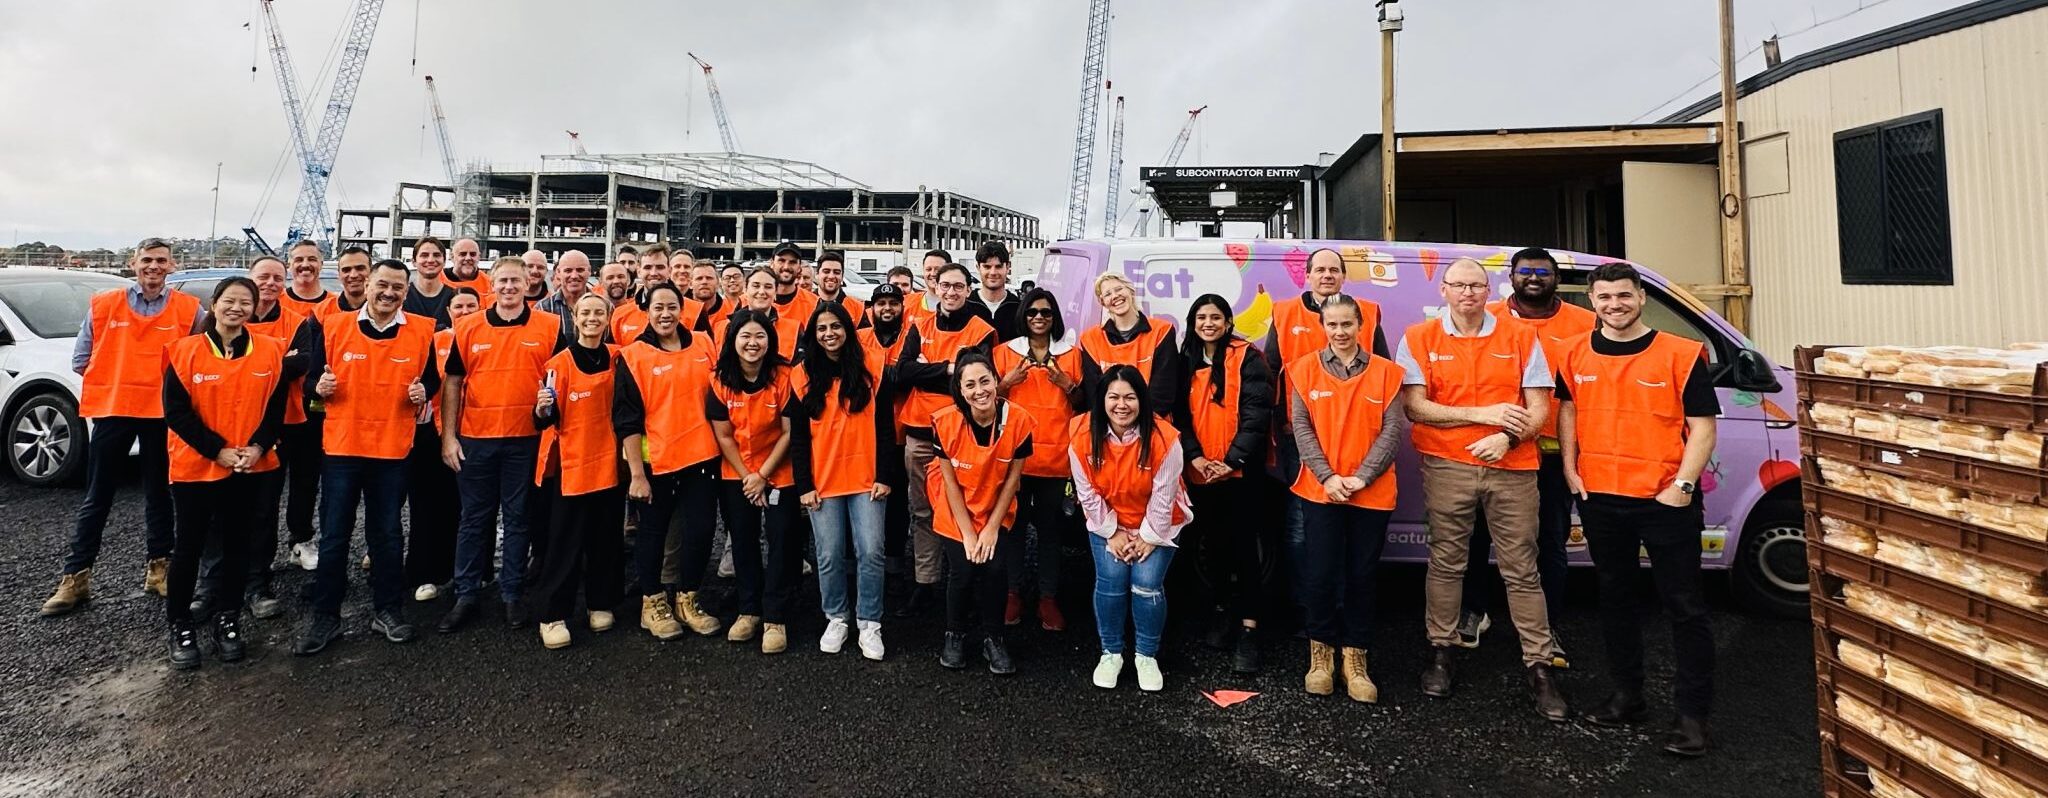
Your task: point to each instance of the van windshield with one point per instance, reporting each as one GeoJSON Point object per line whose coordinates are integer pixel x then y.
{"type": "Point", "coordinates": [1662, 312]}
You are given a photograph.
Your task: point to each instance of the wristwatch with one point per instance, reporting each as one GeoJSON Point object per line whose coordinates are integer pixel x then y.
{"type": "Point", "coordinates": [1686, 486]}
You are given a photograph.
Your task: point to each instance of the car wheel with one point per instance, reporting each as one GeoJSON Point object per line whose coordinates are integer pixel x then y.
{"type": "Point", "coordinates": [46, 440]}
{"type": "Point", "coordinates": [1770, 575]}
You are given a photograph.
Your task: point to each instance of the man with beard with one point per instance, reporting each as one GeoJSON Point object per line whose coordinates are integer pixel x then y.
{"type": "Point", "coordinates": [617, 283]}
{"type": "Point", "coordinates": [631, 258]}
{"type": "Point", "coordinates": [704, 289]}
{"type": "Point", "coordinates": [925, 369]}
{"type": "Point", "coordinates": [882, 330]}
{"type": "Point", "coordinates": [536, 276]}
{"type": "Point", "coordinates": [832, 283]}
{"type": "Point", "coordinates": [904, 281]}
{"type": "Point", "coordinates": [468, 268]}
{"type": "Point", "coordinates": [791, 300]}
{"type": "Point", "coordinates": [428, 295]}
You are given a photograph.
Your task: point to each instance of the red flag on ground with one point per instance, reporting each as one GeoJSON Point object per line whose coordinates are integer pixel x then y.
{"type": "Point", "coordinates": [1226, 698]}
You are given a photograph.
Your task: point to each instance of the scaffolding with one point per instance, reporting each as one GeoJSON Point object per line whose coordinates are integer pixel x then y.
{"type": "Point", "coordinates": [473, 201]}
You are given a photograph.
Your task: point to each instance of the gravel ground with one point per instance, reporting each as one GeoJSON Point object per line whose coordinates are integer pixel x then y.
{"type": "Point", "coordinates": [92, 708]}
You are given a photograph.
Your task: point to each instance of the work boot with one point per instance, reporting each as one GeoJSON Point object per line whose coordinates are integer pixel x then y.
{"type": "Point", "coordinates": [658, 618]}
{"type": "Point", "coordinates": [698, 620]}
{"type": "Point", "coordinates": [998, 656]}
{"type": "Point", "coordinates": [600, 620]}
{"type": "Point", "coordinates": [953, 655]}
{"type": "Point", "coordinates": [184, 648]}
{"type": "Point", "coordinates": [322, 630]}
{"type": "Point", "coordinates": [1356, 683]}
{"type": "Point", "coordinates": [1624, 708]}
{"type": "Point", "coordinates": [1049, 616]}
{"type": "Point", "coordinates": [774, 638]}
{"type": "Point", "coordinates": [1013, 609]}
{"type": "Point", "coordinates": [1244, 658]}
{"type": "Point", "coordinates": [555, 634]}
{"type": "Point", "coordinates": [1688, 738]}
{"type": "Point", "coordinates": [156, 576]}
{"type": "Point", "coordinates": [72, 590]}
{"type": "Point", "coordinates": [1436, 678]}
{"type": "Point", "coordinates": [392, 625]}
{"type": "Point", "coordinates": [1322, 664]}
{"type": "Point", "coordinates": [516, 616]}
{"type": "Point", "coordinates": [465, 608]}
{"type": "Point", "coordinates": [1550, 701]}
{"type": "Point", "coordinates": [920, 598]}
{"type": "Point", "coordinates": [743, 629]}
{"type": "Point", "coordinates": [263, 603]}
{"type": "Point", "coordinates": [228, 644]}
{"type": "Point", "coordinates": [201, 606]}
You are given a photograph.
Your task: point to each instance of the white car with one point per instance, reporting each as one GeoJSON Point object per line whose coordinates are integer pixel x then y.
{"type": "Point", "coordinates": [40, 310]}
{"type": "Point", "coordinates": [860, 286]}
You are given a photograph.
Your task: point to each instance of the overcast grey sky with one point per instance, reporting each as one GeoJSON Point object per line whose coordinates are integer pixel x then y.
{"type": "Point", "coordinates": [118, 111]}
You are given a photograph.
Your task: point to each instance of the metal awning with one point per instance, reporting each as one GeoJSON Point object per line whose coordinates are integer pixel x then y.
{"type": "Point", "coordinates": [1189, 193]}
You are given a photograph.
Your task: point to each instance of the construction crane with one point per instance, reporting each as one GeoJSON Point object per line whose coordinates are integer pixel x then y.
{"type": "Point", "coordinates": [725, 134]}
{"type": "Point", "coordinates": [1116, 169]}
{"type": "Point", "coordinates": [309, 214]}
{"type": "Point", "coordinates": [441, 131]}
{"type": "Point", "coordinates": [1093, 54]}
{"type": "Point", "coordinates": [287, 85]}
{"type": "Point", "coordinates": [577, 142]}
{"type": "Point", "coordinates": [1173, 153]}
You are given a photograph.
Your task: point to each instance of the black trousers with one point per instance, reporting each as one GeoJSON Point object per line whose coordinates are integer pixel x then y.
{"type": "Point", "coordinates": [765, 586]}
{"type": "Point", "coordinates": [219, 510]}
{"type": "Point", "coordinates": [301, 448]}
{"type": "Point", "coordinates": [975, 591]}
{"type": "Point", "coordinates": [435, 510]}
{"type": "Point", "coordinates": [1042, 502]}
{"type": "Point", "coordinates": [1341, 547]}
{"type": "Point", "coordinates": [1225, 536]}
{"type": "Point", "coordinates": [105, 451]}
{"type": "Point", "coordinates": [262, 540]}
{"type": "Point", "coordinates": [1553, 530]}
{"type": "Point", "coordinates": [585, 538]}
{"type": "Point", "coordinates": [691, 492]}
{"type": "Point", "coordinates": [1617, 528]}
{"type": "Point", "coordinates": [896, 515]}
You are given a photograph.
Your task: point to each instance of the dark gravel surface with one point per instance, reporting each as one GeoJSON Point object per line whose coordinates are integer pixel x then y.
{"type": "Point", "coordinates": [91, 708]}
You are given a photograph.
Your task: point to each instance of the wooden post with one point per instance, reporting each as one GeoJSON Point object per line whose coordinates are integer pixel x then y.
{"type": "Point", "coordinates": [1386, 134]}
{"type": "Point", "coordinates": [1734, 246]}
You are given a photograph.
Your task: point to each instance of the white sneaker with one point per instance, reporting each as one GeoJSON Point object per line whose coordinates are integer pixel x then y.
{"type": "Point", "coordinates": [835, 636]}
{"type": "Point", "coordinates": [307, 554]}
{"type": "Point", "coordinates": [1149, 678]}
{"type": "Point", "coordinates": [871, 640]}
{"type": "Point", "coordinates": [1108, 670]}
{"type": "Point", "coordinates": [426, 593]}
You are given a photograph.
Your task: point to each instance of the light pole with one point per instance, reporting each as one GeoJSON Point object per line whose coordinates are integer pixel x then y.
{"type": "Point", "coordinates": [1390, 23]}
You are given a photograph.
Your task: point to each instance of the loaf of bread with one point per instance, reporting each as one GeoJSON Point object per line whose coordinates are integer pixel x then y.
{"type": "Point", "coordinates": [1875, 425]}
{"type": "Point", "coordinates": [1832, 418]}
{"type": "Point", "coordinates": [1847, 536]}
{"type": "Point", "coordinates": [1965, 428]}
{"type": "Point", "coordinates": [1955, 356]}
{"type": "Point", "coordinates": [1978, 376]}
{"type": "Point", "coordinates": [2020, 448]}
{"type": "Point", "coordinates": [2030, 521]}
{"type": "Point", "coordinates": [1865, 661]}
{"type": "Point", "coordinates": [1882, 786]}
{"type": "Point", "coordinates": [1917, 374]}
{"type": "Point", "coordinates": [1837, 368]}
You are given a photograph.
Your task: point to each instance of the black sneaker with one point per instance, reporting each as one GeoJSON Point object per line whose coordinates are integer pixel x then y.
{"type": "Point", "coordinates": [1245, 659]}
{"type": "Point", "coordinates": [392, 626]}
{"type": "Point", "coordinates": [263, 604]}
{"type": "Point", "coordinates": [998, 656]}
{"type": "Point", "coordinates": [184, 648]}
{"type": "Point", "coordinates": [464, 609]}
{"type": "Point", "coordinates": [953, 655]}
{"type": "Point", "coordinates": [228, 644]}
{"type": "Point", "coordinates": [323, 629]}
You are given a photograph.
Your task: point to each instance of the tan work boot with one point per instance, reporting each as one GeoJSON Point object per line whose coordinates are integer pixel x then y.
{"type": "Point", "coordinates": [1322, 662]}
{"type": "Point", "coordinates": [774, 638]}
{"type": "Point", "coordinates": [156, 576]}
{"type": "Point", "coordinates": [555, 634]}
{"type": "Point", "coordinates": [72, 590]}
{"type": "Point", "coordinates": [657, 618]}
{"type": "Point", "coordinates": [1356, 682]}
{"type": "Point", "coordinates": [743, 629]}
{"type": "Point", "coordinates": [600, 620]}
{"type": "Point", "coordinates": [699, 621]}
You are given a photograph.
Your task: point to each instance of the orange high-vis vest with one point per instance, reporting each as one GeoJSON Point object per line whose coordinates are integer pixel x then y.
{"type": "Point", "coordinates": [756, 420]}
{"type": "Point", "coordinates": [1554, 334]}
{"type": "Point", "coordinates": [1630, 413]}
{"type": "Point", "coordinates": [629, 320]}
{"type": "Point", "coordinates": [481, 283]}
{"type": "Point", "coordinates": [369, 414]}
{"type": "Point", "coordinates": [1124, 480]}
{"type": "Point", "coordinates": [125, 375]}
{"type": "Point", "coordinates": [938, 346]}
{"type": "Point", "coordinates": [1049, 406]}
{"type": "Point", "coordinates": [787, 329]}
{"type": "Point", "coordinates": [800, 307]}
{"type": "Point", "coordinates": [854, 307]}
{"type": "Point", "coordinates": [672, 386]}
{"type": "Point", "coordinates": [580, 446]}
{"type": "Point", "coordinates": [1216, 424]}
{"type": "Point", "coordinates": [283, 330]}
{"type": "Point", "coordinates": [899, 400]}
{"type": "Point", "coordinates": [980, 469]}
{"type": "Point", "coordinates": [914, 307]}
{"type": "Point", "coordinates": [333, 307]}
{"type": "Point", "coordinates": [308, 308]}
{"type": "Point", "coordinates": [230, 396]}
{"type": "Point", "coordinates": [503, 368]}
{"type": "Point", "coordinates": [843, 443]}
{"type": "Point", "coordinates": [1298, 332]}
{"type": "Point", "coordinates": [1346, 416]}
{"type": "Point", "coordinates": [1472, 372]}
{"type": "Point", "coordinates": [1136, 353]}
{"type": "Point", "coordinates": [444, 340]}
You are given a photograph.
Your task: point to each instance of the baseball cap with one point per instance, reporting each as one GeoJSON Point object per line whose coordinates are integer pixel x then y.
{"type": "Point", "coordinates": [886, 291]}
{"type": "Point", "coordinates": [787, 247]}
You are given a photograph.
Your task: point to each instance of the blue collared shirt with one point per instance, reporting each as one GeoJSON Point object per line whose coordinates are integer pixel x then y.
{"type": "Point", "coordinates": [81, 352]}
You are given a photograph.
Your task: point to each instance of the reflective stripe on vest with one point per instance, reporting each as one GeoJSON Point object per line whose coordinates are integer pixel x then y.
{"type": "Point", "coordinates": [369, 415]}
{"type": "Point", "coordinates": [230, 396]}
{"type": "Point", "coordinates": [1346, 415]}
{"type": "Point", "coordinates": [1629, 413]}
{"type": "Point", "coordinates": [980, 469]}
{"type": "Point", "coordinates": [580, 445]}
{"type": "Point", "coordinates": [1123, 480]}
{"type": "Point", "coordinates": [503, 367]}
{"type": "Point", "coordinates": [1461, 371]}
{"type": "Point", "coordinates": [1049, 407]}
{"type": "Point", "coordinates": [672, 386]}
{"type": "Point", "coordinates": [125, 375]}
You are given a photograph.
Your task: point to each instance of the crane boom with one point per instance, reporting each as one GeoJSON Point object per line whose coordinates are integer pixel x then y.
{"type": "Point", "coordinates": [287, 85]}
{"type": "Point", "coordinates": [441, 131]}
{"type": "Point", "coordinates": [1116, 169]}
{"type": "Point", "coordinates": [725, 134]}
{"type": "Point", "coordinates": [1093, 54]}
{"type": "Point", "coordinates": [309, 215]}
{"type": "Point", "coordinates": [577, 140]}
{"type": "Point", "coordinates": [1173, 154]}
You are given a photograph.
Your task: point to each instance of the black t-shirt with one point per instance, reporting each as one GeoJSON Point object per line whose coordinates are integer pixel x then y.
{"type": "Point", "coordinates": [1700, 398]}
{"type": "Point", "coordinates": [434, 307]}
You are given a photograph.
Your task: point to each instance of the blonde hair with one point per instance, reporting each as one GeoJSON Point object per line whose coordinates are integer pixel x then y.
{"type": "Point", "coordinates": [508, 260]}
{"type": "Point", "coordinates": [591, 295]}
{"type": "Point", "coordinates": [1113, 277]}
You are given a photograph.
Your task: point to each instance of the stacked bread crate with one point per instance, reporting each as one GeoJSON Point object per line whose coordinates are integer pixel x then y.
{"type": "Point", "coordinates": [1927, 527]}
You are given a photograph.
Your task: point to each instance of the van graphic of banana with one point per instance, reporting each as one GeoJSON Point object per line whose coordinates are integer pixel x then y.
{"type": "Point", "coordinates": [1255, 319]}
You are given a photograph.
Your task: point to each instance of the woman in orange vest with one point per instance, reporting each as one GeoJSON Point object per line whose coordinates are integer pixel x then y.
{"type": "Point", "coordinates": [1227, 413]}
{"type": "Point", "coordinates": [926, 368]}
{"type": "Point", "coordinates": [581, 508]}
{"type": "Point", "coordinates": [1126, 337]}
{"type": "Point", "coordinates": [1127, 464]}
{"type": "Point", "coordinates": [1348, 424]}
{"type": "Point", "coordinates": [842, 423]}
{"type": "Point", "coordinates": [981, 443]}
{"type": "Point", "coordinates": [747, 404]}
{"type": "Point", "coordinates": [671, 458]}
{"type": "Point", "coordinates": [760, 296]}
{"type": "Point", "coordinates": [224, 396]}
{"type": "Point", "coordinates": [435, 500]}
{"type": "Point", "coordinates": [1041, 371]}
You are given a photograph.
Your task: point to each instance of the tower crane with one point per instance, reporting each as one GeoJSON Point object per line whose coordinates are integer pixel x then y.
{"type": "Point", "coordinates": [287, 85]}
{"type": "Point", "coordinates": [1093, 54]}
{"type": "Point", "coordinates": [1173, 153]}
{"type": "Point", "coordinates": [309, 214]}
{"type": "Point", "coordinates": [1116, 169]}
{"type": "Point", "coordinates": [441, 132]}
{"type": "Point", "coordinates": [576, 140]}
{"type": "Point", "coordinates": [725, 134]}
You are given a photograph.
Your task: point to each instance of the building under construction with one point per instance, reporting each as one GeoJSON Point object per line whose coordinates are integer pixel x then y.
{"type": "Point", "coordinates": [729, 207]}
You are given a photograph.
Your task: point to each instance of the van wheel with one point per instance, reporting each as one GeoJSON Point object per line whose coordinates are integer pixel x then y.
{"type": "Point", "coordinates": [1770, 575]}
{"type": "Point", "coordinates": [46, 441]}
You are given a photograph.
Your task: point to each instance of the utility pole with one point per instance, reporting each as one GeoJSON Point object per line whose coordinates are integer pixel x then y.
{"type": "Point", "coordinates": [1734, 247]}
{"type": "Point", "coordinates": [213, 228]}
{"type": "Point", "coordinates": [1390, 23]}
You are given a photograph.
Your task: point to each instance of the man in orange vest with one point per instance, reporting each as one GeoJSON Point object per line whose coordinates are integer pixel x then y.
{"type": "Point", "coordinates": [791, 299]}
{"type": "Point", "coordinates": [1636, 423]}
{"type": "Point", "coordinates": [931, 344]}
{"type": "Point", "coordinates": [488, 437]}
{"type": "Point", "coordinates": [306, 294]}
{"type": "Point", "coordinates": [1478, 389]}
{"type": "Point", "coordinates": [468, 269]}
{"type": "Point", "coordinates": [832, 284]}
{"type": "Point", "coordinates": [120, 351]}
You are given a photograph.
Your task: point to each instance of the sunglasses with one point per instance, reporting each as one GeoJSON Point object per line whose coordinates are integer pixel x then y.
{"type": "Point", "coordinates": [1038, 313]}
{"type": "Point", "coordinates": [1533, 271]}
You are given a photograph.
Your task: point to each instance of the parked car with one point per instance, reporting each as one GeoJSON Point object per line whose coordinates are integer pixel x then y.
{"type": "Point", "coordinates": [201, 282]}
{"type": "Point", "coordinates": [40, 310]}
{"type": "Point", "coordinates": [1755, 528]}
{"type": "Point", "coordinates": [861, 286]}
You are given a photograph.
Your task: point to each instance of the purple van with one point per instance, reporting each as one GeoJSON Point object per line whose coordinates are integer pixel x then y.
{"type": "Point", "coordinates": [1755, 523]}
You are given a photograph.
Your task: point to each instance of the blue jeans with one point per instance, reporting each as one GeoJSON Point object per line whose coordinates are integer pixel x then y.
{"type": "Point", "coordinates": [859, 518]}
{"type": "Point", "coordinates": [496, 475]}
{"type": "Point", "coordinates": [379, 485]}
{"type": "Point", "coordinates": [1125, 589]}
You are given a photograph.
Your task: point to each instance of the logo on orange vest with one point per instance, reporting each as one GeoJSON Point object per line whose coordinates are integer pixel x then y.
{"type": "Point", "coordinates": [960, 466]}
{"type": "Point", "coordinates": [116, 324]}
{"type": "Point", "coordinates": [578, 396]}
{"type": "Point", "coordinates": [662, 369]}
{"type": "Point", "coordinates": [1316, 395]}
{"type": "Point", "coordinates": [200, 379]}
{"type": "Point", "coordinates": [1434, 357]}
{"type": "Point", "coordinates": [1297, 329]}
{"type": "Point", "coordinates": [1584, 378]}
{"type": "Point", "coordinates": [1652, 384]}
{"type": "Point", "coordinates": [475, 348]}
{"type": "Point", "coordinates": [351, 357]}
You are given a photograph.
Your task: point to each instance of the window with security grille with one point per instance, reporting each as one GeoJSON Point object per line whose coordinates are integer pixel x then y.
{"type": "Point", "coordinates": [1891, 203]}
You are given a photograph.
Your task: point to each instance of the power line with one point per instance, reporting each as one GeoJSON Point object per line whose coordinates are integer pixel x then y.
{"type": "Point", "coordinates": [1861, 6]}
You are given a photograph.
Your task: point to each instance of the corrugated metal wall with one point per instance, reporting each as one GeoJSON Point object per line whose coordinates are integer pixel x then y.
{"type": "Point", "coordinates": [1991, 83]}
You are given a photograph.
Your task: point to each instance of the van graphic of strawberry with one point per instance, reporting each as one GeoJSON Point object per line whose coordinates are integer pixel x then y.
{"type": "Point", "coordinates": [1296, 261]}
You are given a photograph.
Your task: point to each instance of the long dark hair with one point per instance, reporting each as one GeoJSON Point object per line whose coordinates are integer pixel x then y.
{"type": "Point", "coordinates": [856, 386]}
{"type": "Point", "coordinates": [728, 367]}
{"type": "Point", "coordinates": [1058, 329]}
{"type": "Point", "coordinates": [960, 363]}
{"type": "Point", "coordinates": [1098, 415]}
{"type": "Point", "coordinates": [1191, 346]}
